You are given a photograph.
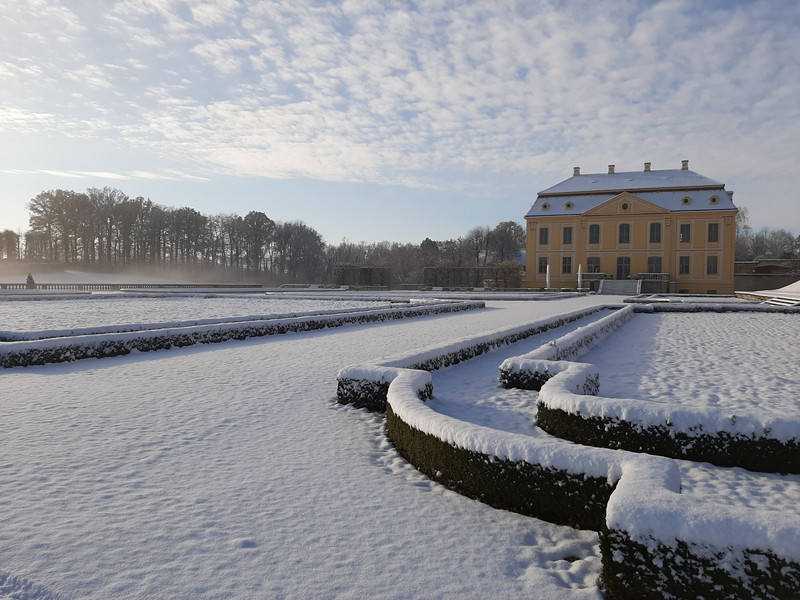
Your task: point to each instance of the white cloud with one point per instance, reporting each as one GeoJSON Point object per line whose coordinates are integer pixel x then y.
{"type": "Point", "coordinates": [438, 94]}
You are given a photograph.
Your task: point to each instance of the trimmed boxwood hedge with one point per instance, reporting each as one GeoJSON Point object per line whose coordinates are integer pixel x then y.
{"type": "Point", "coordinates": [45, 351]}
{"type": "Point", "coordinates": [636, 571]}
{"type": "Point", "coordinates": [722, 448]}
{"type": "Point", "coordinates": [554, 495]}
{"type": "Point", "coordinates": [372, 394]}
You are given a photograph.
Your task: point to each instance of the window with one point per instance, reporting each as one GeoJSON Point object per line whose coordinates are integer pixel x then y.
{"type": "Point", "coordinates": [566, 265]}
{"type": "Point", "coordinates": [624, 233]}
{"type": "Point", "coordinates": [686, 201]}
{"type": "Point", "coordinates": [542, 264]}
{"type": "Point", "coordinates": [655, 233]}
{"type": "Point", "coordinates": [714, 200]}
{"type": "Point", "coordinates": [711, 265]}
{"type": "Point", "coordinates": [713, 232]}
{"type": "Point", "coordinates": [543, 234]}
{"type": "Point", "coordinates": [686, 232]}
{"type": "Point", "coordinates": [567, 235]}
{"type": "Point", "coordinates": [654, 264]}
{"type": "Point", "coordinates": [569, 206]}
{"type": "Point", "coordinates": [593, 264]}
{"type": "Point", "coordinates": [594, 234]}
{"type": "Point", "coordinates": [683, 265]}
{"type": "Point", "coordinates": [545, 206]}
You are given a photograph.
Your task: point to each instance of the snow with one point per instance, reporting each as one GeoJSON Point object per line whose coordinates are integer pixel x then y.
{"type": "Point", "coordinates": [96, 310]}
{"type": "Point", "coordinates": [791, 291]}
{"type": "Point", "coordinates": [709, 378]}
{"type": "Point", "coordinates": [230, 471]}
{"type": "Point", "coordinates": [646, 503]}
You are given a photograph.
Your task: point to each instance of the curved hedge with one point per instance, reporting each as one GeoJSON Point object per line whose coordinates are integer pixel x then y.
{"type": "Point", "coordinates": [366, 385]}
{"type": "Point", "coordinates": [635, 425]}
{"type": "Point", "coordinates": [655, 543]}
{"type": "Point", "coordinates": [534, 490]}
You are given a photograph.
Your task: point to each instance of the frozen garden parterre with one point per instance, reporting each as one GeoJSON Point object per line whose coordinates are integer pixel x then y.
{"type": "Point", "coordinates": [230, 470]}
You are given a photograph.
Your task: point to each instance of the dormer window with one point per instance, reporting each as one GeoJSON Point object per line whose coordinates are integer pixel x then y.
{"type": "Point", "coordinates": [545, 206]}
{"type": "Point", "coordinates": [713, 200]}
{"type": "Point", "coordinates": [569, 205]}
{"type": "Point", "coordinates": [686, 201]}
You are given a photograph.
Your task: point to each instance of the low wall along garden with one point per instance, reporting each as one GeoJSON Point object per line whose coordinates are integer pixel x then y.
{"type": "Point", "coordinates": [655, 542]}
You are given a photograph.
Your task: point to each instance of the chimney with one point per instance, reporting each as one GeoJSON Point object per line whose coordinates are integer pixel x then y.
{"type": "Point", "coordinates": [684, 165]}
{"type": "Point", "coordinates": [646, 167]}
{"type": "Point", "coordinates": [576, 171]}
{"type": "Point", "coordinates": [610, 169]}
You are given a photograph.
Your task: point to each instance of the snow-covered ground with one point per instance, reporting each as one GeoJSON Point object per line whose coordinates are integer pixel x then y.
{"type": "Point", "coordinates": [23, 314]}
{"type": "Point", "coordinates": [229, 471]}
{"type": "Point", "coordinates": [736, 361]}
{"type": "Point", "coordinates": [789, 291]}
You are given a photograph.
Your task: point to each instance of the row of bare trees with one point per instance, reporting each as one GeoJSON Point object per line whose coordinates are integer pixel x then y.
{"type": "Point", "coordinates": [765, 242]}
{"type": "Point", "coordinates": [480, 247]}
{"type": "Point", "coordinates": [103, 227]}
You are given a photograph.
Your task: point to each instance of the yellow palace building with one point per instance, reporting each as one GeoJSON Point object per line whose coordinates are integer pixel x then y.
{"type": "Point", "coordinates": [673, 230]}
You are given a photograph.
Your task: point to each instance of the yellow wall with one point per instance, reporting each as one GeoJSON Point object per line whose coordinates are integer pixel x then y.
{"type": "Point", "coordinates": [639, 215]}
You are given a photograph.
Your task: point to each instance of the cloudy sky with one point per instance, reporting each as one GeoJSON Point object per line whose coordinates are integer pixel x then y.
{"type": "Point", "coordinates": [394, 120]}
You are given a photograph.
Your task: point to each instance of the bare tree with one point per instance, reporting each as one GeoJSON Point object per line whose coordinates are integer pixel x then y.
{"type": "Point", "coordinates": [505, 240]}
{"type": "Point", "coordinates": [477, 244]}
{"type": "Point", "coordinates": [258, 230]}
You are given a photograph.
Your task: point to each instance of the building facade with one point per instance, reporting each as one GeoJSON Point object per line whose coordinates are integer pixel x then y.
{"type": "Point", "coordinates": [674, 228]}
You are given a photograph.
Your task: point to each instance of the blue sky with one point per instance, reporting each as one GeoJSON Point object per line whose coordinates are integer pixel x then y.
{"type": "Point", "coordinates": [394, 120]}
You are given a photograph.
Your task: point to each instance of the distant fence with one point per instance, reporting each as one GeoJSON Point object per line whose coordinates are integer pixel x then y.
{"type": "Point", "coordinates": [107, 287]}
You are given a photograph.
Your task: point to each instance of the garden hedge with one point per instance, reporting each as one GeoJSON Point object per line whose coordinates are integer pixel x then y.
{"type": "Point", "coordinates": [554, 495]}
{"type": "Point", "coordinates": [721, 448]}
{"type": "Point", "coordinates": [366, 385]}
{"type": "Point", "coordinates": [650, 569]}
{"type": "Point", "coordinates": [67, 349]}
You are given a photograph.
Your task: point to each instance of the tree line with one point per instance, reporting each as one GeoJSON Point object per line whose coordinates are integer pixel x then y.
{"type": "Point", "coordinates": [765, 242]}
{"type": "Point", "coordinates": [104, 228]}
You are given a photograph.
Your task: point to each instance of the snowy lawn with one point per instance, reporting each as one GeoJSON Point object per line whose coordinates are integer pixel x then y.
{"type": "Point", "coordinates": [628, 365]}
{"type": "Point", "coordinates": [743, 362]}
{"type": "Point", "coordinates": [30, 314]}
{"type": "Point", "coordinates": [229, 471]}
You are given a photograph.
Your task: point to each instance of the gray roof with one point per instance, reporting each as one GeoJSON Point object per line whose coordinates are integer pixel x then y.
{"type": "Point", "coordinates": [665, 189]}
{"type": "Point", "coordinates": [633, 180]}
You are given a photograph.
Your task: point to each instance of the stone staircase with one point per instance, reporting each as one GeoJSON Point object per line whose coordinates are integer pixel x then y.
{"type": "Point", "coordinates": [620, 287]}
{"type": "Point", "coordinates": [783, 301]}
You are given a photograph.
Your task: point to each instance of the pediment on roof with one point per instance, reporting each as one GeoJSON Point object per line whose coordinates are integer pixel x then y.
{"type": "Point", "coordinates": [626, 204]}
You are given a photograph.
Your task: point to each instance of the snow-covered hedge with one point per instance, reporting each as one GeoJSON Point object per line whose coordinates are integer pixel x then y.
{"type": "Point", "coordinates": [674, 437]}
{"type": "Point", "coordinates": [759, 442]}
{"type": "Point", "coordinates": [530, 371]}
{"type": "Point", "coordinates": [569, 409]}
{"type": "Point", "coordinates": [655, 542]}
{"type": "Point", "coordinates": [365, 385]}
{"type": "Point", "coordinates": [100, 345]}
{"type": "Point", "coordinates": [559, 482]}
